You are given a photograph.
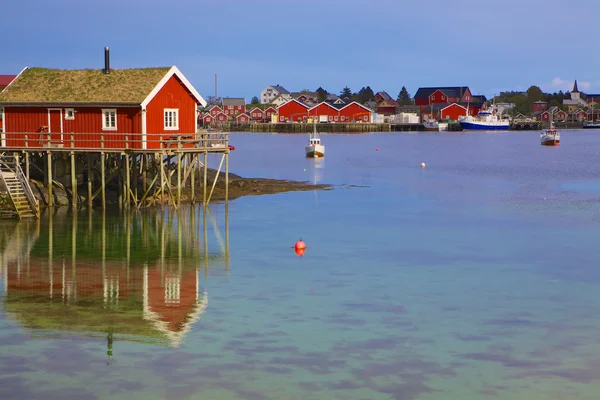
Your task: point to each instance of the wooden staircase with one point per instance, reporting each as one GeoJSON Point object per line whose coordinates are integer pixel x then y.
{"type": "Point", "coordinates": [21, 196]}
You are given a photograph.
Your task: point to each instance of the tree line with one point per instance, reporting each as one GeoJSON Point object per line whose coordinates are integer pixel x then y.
{"type": "Point", "coordinates": [363, 96]}
{"type": "Point", "coordinates": [524, 100]}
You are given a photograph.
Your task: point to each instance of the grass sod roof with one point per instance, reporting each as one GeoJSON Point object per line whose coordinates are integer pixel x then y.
{"type": "Point", "coordinates": [42, 85]}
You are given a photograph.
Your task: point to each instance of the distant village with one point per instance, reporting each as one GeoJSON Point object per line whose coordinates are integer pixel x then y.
{"type": "Point", "coordinates": [276, 104]}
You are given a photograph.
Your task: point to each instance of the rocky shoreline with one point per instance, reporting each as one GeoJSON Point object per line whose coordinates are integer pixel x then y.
{"type": "Point", "coordinates": [238, 187]}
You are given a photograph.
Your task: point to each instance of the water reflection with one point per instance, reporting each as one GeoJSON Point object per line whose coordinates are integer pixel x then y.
{"type": "Point", "coordinates": [133, 276]}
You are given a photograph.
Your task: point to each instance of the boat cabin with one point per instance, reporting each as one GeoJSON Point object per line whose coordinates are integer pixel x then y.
{"type": "Point", "coordinates": [314, 141]}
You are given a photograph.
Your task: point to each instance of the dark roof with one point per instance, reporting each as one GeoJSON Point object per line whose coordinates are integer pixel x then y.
{"type": "Point", "coordinates": [479, 99]}
{"type": "Point", "coordinates": [450, 91]}
{"type": "Point", "coordinates": [384, 95]}
{"type": "Point", "coordinates": [280, 89]}
{"type": "Point", "coordinates": [337, 106]}
{"type": "Point", "coordinates": [233, 101]}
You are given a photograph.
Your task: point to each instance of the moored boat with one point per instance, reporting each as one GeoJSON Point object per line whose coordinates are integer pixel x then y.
{"type": "Point", "coordinates": [433, 125]}
{"type": "Point", "coordinates": [550, 137]}
{"type": "Point", "coordinates": [314, 148]}
{"type": "Point", "coordinates": [592, 125]}
{"type": "Point", "coordinates": [485, 121]}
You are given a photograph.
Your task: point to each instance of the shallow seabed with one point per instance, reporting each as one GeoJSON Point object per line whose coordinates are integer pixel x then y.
{"type": "Point", "coordinates": [473, 278]}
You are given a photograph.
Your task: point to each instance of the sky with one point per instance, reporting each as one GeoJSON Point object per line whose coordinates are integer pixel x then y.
{"type": "Point", "coordinates": [384, 44]}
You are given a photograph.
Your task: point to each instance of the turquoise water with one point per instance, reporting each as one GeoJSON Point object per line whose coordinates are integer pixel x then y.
{"type": "Point", "coordinates": [473, 278]}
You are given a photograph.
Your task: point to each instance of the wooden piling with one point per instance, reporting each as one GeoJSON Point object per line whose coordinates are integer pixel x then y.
{"type": "Point", "coordinates": [49, 166]}
{"type": "Point", "coordinates": [90, 175]}
{"type": "Point", "coordinates": [103, 179]}
{"type": "Point", "coordinates": [73, 180]}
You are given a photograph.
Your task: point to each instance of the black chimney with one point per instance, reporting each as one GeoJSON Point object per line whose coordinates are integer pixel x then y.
{"type": "Point", "coordinates": [106, 60]}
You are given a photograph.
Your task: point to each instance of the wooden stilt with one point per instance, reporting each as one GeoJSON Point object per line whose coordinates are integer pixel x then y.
{"type": "Point", "coordinates": [27, 165]}
{"type": "Point", "coordinates": [145, 161]}
{"type": "Point", "coordinates": [205, 179]}
{"type": "Point", "coordinates": [73, 181]}
{"type": "Point", "coordinates": [192, 184]}
{"type": "Point", "coordinates": [49, 166]}
{"type": "Point", "coordinates": [102, 179]}
{"type": "Point", "coordinates": [179, 160]}
{"type": "Point", "coordinates": [127, 181]}
{"type": "Point", "coordinates": [90, 178]}
{"type": "Point", "coordinates": [162, 180]}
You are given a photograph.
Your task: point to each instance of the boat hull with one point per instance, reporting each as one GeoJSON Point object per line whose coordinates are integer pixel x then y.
{"type": "Point", "coordinates": [475, 126]}
{"type": "Point", "coordinates": [550, 142]}
{"type": "Point", "coordinates": [314, 151]}
{"type": "Point", "coordinates": [591, 126]}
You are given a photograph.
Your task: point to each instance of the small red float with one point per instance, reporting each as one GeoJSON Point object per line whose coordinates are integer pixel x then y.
{"type": "Point", "coordinates": [232, 148]}
{"type": "Point", "coordinates": [300, 252]}
{"type": "Point", "coordinates": [300, 245]}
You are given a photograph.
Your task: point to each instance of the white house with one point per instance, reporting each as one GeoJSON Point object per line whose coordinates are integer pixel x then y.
{"type": "Point", "coordinates": [268, 94]}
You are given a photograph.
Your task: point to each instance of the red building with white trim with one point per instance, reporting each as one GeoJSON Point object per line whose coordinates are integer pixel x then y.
{"type": "Point", "coordinates": [292, 111]}
{"type": "Point", "coordinates": [131, 108]}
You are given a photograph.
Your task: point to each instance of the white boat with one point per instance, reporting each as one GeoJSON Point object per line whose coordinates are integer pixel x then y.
{"type": "Point", "coordinates": [550, 137]}
{"type": "Point", "coordinates": [592, 125]}
{"type": "Point", "coordinates": [485, 121]}
{"type": "Point", "coordinates": [433, 125]}
{"type": "Point", "coordinates": [314, 148]}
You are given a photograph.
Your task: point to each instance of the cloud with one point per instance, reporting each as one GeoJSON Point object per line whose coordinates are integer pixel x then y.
{"type": "Point", "coordinates": [558, 83]}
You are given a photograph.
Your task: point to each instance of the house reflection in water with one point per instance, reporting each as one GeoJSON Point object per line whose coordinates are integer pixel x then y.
{"type": "Point", "coordinates": [61, 280]}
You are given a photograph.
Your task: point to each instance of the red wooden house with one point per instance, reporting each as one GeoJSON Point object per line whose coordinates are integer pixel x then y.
{"type": "Point", "coordinates": [257, 114]}
{"type": "Point", "coordinates": [356, 112]}
{"type": "Point", "coordinates": [560, 115]}
{"type": "Point", "coordinates": [453, 111]}
{"type": "Point", "coordinates": [269, 112]}
{"type": "Point", "coordinates": [221, 118]}
{"type": "Point", "coordinates": [233, 106]}
{"type": "Point", "coordinates": [208, 119]}
{"type": "Point", "coordinates": [292, 111]}
{"type": "Point", "coordinates": [242, 119]}
{"type": "Point", "coordinates": [387, 107]}
{"type": "Point", "coordinates": [129, 108]}
{"type": "Point", "coordinates": [449, 95]}
{"type": "Point", "coordinates": [214, 110]}
{"type": "Point", "coordinates": [324, 111]}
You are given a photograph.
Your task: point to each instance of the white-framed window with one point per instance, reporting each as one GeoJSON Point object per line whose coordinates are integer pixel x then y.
{"type": "Point", "coordinates": [281, 118]}
{"type": "Point", "coordinates": [109, 119]}
{"type": "Point", "coordinates": [69, 113]}
{"type": "Point", "coordinates": [171, 119]}
{"type": "Point", "coordinates": [443, 97]}
{"type": "Point", "coordinates": [335, 118]}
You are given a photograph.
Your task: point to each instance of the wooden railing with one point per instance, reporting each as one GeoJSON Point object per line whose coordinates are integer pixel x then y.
{"type": "Point", "coordinates": [116, 141]}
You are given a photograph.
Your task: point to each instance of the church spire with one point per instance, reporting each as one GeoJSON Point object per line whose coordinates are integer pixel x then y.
{"type": "Point", "coordinates": [575, 90]}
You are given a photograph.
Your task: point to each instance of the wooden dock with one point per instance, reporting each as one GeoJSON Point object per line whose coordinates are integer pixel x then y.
{"type": "Point", "coordinates": [141, 176]}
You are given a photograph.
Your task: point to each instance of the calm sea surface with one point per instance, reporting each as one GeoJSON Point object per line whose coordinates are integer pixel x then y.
{"type": "Point", "coordinates": [476, 277]}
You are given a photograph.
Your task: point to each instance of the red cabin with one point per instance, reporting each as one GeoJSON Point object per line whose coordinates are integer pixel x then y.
{"type": "Point", "coordinates": [214, 110]}
{"type": "Point", "coordinates": [324, 110]}
{"type": "Point", "coordinates": [257, 114]}
{"type": "Point", "coordinates": [269, 112]}
{"type": "Point", "coordinates": [356, 112]}
{"type": "Point", "coordinates": [453, 111]}
{"type": "Point", "coordinates": [208, 119]}
{"type": "Point", "coordinates": [242, 119]}
{"type": "Point", "coordinates": [221, 118]}
{"type": "Point", "coordinates": [129, 108]}
{"type": "Point", "coordinates": [292, 111]}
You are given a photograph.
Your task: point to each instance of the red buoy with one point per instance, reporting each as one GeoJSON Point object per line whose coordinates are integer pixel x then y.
{"type": "Point", "coordinates": [300, 252]}
{"type": "Point", "coordinates": [300, 245]}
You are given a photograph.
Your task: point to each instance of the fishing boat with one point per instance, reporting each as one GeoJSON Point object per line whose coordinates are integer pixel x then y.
{"type": "Point", "coordinates": [550, 137]}
{"type": "Point", "coordinates": [592, 125]}
{"type": "Point", "coordinates": [485, 121]}
{"type": "Point", "coordinates": [314, 148]}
